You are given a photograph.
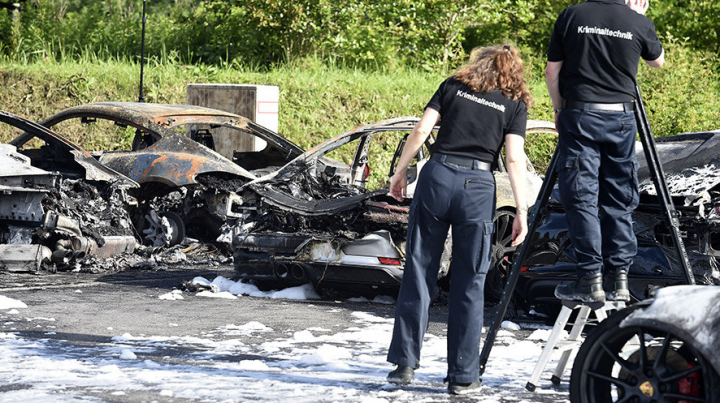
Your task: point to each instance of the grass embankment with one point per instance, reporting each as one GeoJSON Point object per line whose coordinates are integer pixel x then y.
{"type": "Point", "coordinates": [318, 101]}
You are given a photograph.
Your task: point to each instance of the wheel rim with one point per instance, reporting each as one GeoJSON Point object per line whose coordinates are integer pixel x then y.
{"type": "Point", "coordinates": [165, 229]}
{"type": "Point", "coordinates": [502, 252]}
{"type": "Point", "coordinates": [661, 368]}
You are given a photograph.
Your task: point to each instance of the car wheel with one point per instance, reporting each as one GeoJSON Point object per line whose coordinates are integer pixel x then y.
{"type": "Point", "coordinates": [502, 253]}
{"type": "Point", "coordinates": [639, 364]}
{"type": "Point", "coordinates": [165, 229]}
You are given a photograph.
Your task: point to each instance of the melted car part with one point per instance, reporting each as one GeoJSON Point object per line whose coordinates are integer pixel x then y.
{"type": "Point", "coordinates": [22, 187]}
{"type": "Point", "coordinates": [59, 204]}
{"type": "Point", "coordinates": [23, 258]}
{"type": "Point", "coordinates": [273, 244]}
{"type": "Point", "coordinates": [377, 244]}
{"type": "Point", "coordinates": [681, 151]}
{"type": "Point", "coordinates": [24, 205]}
{"type": "Point", "coordinates": [174, 160]}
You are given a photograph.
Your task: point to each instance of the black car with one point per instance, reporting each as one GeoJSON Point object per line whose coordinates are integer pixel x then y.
{"type": "Point", "coordinates": [692, 172]}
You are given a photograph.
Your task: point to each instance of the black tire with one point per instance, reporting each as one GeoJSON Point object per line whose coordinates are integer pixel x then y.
{"type": "Point", "coordinates": [502, 253]}
{"type": "Point", "coordinates": [651, 371]}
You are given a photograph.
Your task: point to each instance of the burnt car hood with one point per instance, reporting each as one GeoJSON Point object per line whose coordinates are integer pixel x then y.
{"type": "Point", "coordinates": [692, 311]}
{"type": "Point", "coordinates": [279, 189]}
{"type": "Point", "coordinates": [174, 160]}
{"type": "Point", "coordinates": [690, 162]}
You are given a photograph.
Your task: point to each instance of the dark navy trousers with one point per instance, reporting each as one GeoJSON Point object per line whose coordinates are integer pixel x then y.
{"type": "Point", "coordinates": [464, 198]}
{"type": "Point", "coordinates": [597, 180]}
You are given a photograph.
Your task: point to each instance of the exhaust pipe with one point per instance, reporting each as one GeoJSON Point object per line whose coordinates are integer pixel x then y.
{"type": "Point", "coordinates": [281, 270]}
{"type": "Point", "coordinates": [61, 256]}
{"type": "Point", "coordinates": [299, 271]}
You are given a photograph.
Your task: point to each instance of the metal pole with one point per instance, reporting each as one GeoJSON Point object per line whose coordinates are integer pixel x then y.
{"type": "Point", "coordinates": [538, 212]}
{"type": "Point", "coordinates": [142, 54]}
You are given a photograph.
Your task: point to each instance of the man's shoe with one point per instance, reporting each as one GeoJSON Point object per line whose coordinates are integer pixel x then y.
{"type": "Point", "coordinates": [456, 388]}
{"type": "Point", "coordinates": [402, 375]}
{"type": "Point", "coordinates": [588, 288]}
{"type": "Point", "coordinates": [615, 284]}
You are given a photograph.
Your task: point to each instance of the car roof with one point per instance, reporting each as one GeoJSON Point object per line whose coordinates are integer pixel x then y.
{"type": "Point", "coordinates": [160, 118]}
{"type": "Point", "coordinates": [145, 114]}
{"type": "Point", "coordinates": [94, 170]}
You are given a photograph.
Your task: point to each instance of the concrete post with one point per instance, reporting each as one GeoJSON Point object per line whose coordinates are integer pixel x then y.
{"type": "Point", "coordinates": [258, 103]}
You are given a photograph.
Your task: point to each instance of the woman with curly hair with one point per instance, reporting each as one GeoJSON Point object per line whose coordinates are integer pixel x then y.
{"type": "Point", "coordinates": [482, 106]}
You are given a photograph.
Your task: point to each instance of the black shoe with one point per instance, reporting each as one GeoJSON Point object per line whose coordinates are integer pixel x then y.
{"type": "Point", "coordinates": [587, 288]}
{"type": "Point", "coordinates": [615, 285]}
{"type": "Point", "coordinates": [456, 388]}
{"type": "Point", "coordinates": [402, 375]}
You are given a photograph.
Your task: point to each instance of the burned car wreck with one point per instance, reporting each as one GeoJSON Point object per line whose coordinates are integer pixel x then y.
{"type": "Point", "coordinates": [188, 161]}
{"type": "Point", "coordinates": [310, 222]}
{"type": "Point", "coordinates": [59, 205]}
{"type": "Point", "coordinates": [692, 172]}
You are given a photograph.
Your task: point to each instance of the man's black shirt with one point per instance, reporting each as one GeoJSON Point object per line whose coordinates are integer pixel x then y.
{"type": "Point", "coordinates": [474, 124]}
{"type": "Point", "coordinates": [600, 43]}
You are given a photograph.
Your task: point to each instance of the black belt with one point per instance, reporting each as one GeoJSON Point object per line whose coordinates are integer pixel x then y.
{"type": "Point", "coordinates": [462, 161]}
{"type": "Point", "coordinates": [618, 107]}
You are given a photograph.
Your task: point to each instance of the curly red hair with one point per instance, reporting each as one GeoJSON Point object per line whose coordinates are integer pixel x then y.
{"type": "Point", "coordinates": [496, 68]}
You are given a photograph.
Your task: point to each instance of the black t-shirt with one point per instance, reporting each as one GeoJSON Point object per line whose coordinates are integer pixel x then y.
{"type": "Point", "coordinates": [474, 124]}
{"type": "Point", "coordinates": [600, 43]}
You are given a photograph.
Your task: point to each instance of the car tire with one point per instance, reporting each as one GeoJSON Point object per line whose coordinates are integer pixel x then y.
{"type": "Point", "coordinates": [612, 366]}
{"type": "Point", "coordinates": [502, 253]}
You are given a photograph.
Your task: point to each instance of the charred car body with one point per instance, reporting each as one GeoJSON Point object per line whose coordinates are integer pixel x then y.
{"type": "Point", "coordinates": [188, 160]}
{"type": "Point", "coordinates": [692, 172]}
{"type": "Point", "coordinates": [311, 222]}
{"type": "Point", "coordinates": [58, 205]}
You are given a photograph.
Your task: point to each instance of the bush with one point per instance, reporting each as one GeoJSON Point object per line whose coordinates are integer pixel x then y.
{"type": "Point", "coordinates": [682, 96]}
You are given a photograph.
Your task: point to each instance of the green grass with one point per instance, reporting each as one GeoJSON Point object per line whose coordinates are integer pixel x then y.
{"type": "Point", "coordinates": [318, 101]}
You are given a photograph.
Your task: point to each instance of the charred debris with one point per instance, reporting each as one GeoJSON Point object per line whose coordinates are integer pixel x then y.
{"type": "Point", "coordinates": [61, 210]}
{"type": "Point", "coordinates": [64, 209]}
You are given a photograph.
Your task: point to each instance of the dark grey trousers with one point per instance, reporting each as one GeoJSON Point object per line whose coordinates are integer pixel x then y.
{"type": "Point", "coordinates": [446, 195]}
{"type": "Point", "coordinates": [597, 179]}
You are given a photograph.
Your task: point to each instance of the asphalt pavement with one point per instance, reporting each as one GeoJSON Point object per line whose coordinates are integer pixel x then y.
{"type": "Point", "coordinates": [90, 309]}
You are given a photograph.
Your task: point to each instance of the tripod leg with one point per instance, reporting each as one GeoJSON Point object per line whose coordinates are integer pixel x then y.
{"type": "Point", "coordinates": [535, 218]}
{"type": "Point", "coordinates": [658, 176]}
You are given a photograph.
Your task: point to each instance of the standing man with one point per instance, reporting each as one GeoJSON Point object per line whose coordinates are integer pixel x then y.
{"type": "Point", "coordinates": [593, 57]}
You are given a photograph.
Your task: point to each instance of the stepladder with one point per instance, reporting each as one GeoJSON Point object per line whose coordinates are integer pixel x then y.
{"type": "Point", "coordinates": [569, 345]}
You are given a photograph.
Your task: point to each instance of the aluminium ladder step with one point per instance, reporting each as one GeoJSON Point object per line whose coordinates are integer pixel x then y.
{"type": "Point", "coordinates": [572, 343]}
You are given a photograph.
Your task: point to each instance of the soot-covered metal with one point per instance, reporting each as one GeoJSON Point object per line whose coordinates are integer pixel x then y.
{"type": "Point", "coordinates": [59, 204]}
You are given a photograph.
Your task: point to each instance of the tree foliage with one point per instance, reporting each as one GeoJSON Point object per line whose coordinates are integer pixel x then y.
{"type": "Point", "coordinates": [698, 21]}
{"type": "Point", "coordinates": [430, 34]}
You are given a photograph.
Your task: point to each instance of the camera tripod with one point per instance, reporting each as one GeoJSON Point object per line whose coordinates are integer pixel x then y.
{"type": "Point", "coordinates": [539, 211]}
